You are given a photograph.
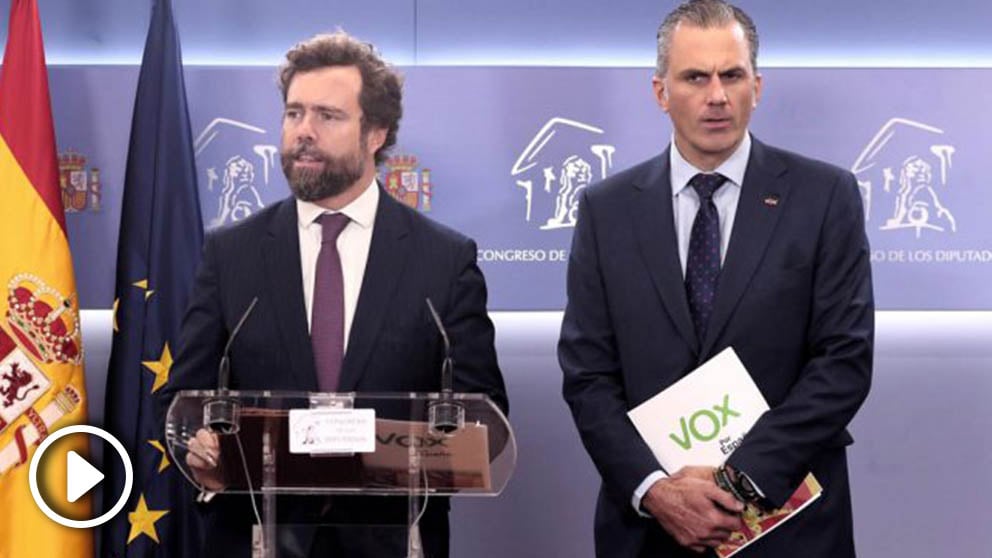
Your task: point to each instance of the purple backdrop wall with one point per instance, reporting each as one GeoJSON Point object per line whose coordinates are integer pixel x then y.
{"type": "Point", "coordinates": [499, 153]}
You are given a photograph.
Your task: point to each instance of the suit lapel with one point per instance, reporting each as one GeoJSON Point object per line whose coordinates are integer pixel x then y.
{"type": "Point", "coordinates": [388, 256]}
{"type": "Point", "coordinates": [283, 272]}
{"type": "Point", "coordinates": [763, 198]}
{"type": "Point", "coordinates": [654, 224]}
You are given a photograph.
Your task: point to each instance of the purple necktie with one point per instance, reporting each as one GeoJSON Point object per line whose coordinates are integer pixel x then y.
{"type": "Point", "coordinates": [702, 266]}
{"type": "Point", "coordinates": [327, 319]}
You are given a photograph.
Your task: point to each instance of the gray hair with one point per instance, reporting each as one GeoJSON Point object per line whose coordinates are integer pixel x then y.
{"type": "Point", "coordinates": [705, 14]}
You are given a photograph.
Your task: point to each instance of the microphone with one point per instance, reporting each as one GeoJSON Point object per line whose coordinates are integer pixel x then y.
{"type": "Point", "coordinates": [444, 415]}
{"type": "Point", "coordinates": [221, 414]}
{"type": "Point", "coordinates": [448, 365]}
{"type": "Point", "coordinates": [224, 369]}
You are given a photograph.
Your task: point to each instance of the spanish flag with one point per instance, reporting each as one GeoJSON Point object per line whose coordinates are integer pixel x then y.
{"type": "Point", "coordinates": [41, 355]}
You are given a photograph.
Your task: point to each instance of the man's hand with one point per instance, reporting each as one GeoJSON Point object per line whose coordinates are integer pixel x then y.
{"type": "Point", "coordinates": [203, 460]}
{"type": "Point", "coordinates": [693, 509]}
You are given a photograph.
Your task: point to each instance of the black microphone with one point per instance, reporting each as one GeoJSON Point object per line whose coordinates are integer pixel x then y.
{"type": "Point", "coordinates": [221, 414]}
{"type": "Point", "coordinates": [224, 369]}
{"type": "Point", "coordinates": [445, 415]}
{"type": "Point", "coordinates": [448, 365]}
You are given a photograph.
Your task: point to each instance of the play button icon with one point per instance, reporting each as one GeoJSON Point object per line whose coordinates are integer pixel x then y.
{"type": "Point", "coordinates": [80, 477]}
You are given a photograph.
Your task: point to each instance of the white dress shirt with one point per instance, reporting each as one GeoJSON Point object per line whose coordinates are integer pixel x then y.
{"type": "Point", "coordinates": [353, 247]}
{"type": "Point", "coordinates": [685, 204]}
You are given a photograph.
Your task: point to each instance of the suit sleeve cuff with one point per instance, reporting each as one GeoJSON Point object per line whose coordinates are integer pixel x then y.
{"type": "Point", "coordinates": [642, 489]}
{"type": "Point", "coordinates": [754, 484]}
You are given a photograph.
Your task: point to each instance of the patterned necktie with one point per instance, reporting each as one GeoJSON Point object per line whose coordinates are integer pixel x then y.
{"type": "Point", "coordinates": [702, 267]}
{"type": "Point", "coordinates": [327, 319]}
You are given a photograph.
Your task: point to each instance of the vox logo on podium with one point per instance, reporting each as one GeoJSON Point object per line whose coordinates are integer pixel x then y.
{"type": "Point", "coordinates": [703, 425]}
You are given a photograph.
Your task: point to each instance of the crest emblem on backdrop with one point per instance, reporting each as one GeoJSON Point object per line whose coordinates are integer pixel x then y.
{"type": "Point", "coordinates": [562, 159]}
{"type": "Point", "coordinates": [409, 184]}
{"type": "Point", "coordinates": [236, 162]}
{"type": "Point", "coordinates": [81, 188]}
{"type": "Point", "coordinates": [904, 173]}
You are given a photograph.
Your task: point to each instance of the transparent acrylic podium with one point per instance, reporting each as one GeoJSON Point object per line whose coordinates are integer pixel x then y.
{"type": "Point", "coordinates": [426, 445]}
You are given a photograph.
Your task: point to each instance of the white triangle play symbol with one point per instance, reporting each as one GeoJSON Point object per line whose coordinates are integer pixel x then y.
{"type": "Point", "coordinates": [81, 477]}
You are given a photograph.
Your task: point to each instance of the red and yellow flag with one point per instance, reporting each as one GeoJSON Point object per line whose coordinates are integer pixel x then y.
{"type": "Point", "coordinates": [41, 355]}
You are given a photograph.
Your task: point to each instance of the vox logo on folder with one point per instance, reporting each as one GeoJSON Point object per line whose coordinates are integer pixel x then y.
{"type": "Point", "coordinates": [704, 424]}
{"type": "Point", "coordinates": [703, 417]}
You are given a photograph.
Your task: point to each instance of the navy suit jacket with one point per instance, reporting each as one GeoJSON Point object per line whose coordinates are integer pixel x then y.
{"type": "Point", "coordinates": [794, 300]}
{"type": "Point", "coordinates": [393, 343]}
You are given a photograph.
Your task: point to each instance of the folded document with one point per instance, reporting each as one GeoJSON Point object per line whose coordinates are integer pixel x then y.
{"type": "Point", "coordinates": [700, 420]}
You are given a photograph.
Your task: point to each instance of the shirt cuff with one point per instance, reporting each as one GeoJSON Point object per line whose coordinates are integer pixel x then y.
{"type": "Point", "coordinates": [643, 488]}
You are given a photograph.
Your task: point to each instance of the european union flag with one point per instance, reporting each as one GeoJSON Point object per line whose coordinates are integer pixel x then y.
{"type": "Point", "coordinates": [160, 240]}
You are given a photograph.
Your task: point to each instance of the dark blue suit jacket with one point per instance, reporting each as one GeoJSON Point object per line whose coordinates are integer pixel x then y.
{"type": "Point", "coordinates": [393, 344]}
{"type": "Point", "coordinates": [794, 300]}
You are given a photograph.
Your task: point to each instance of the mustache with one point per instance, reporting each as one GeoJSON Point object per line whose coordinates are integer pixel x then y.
{"type": "Point", "coordinates": [304, 150]}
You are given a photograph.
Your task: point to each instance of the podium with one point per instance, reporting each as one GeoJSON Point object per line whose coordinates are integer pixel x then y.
{"type": "Point", "coordinates": [320, 451]}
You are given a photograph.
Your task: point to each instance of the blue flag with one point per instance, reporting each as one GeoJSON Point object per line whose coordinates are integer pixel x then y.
{"type": "Point", "coordinates": [160, 240]}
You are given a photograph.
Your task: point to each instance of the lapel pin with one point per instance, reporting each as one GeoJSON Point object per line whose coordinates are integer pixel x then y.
{"type": "Point", "coordinates": [771, 201]}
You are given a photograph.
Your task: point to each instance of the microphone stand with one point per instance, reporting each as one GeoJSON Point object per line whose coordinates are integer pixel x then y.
{"type": "Point", "coordinates": [222, 414]}
{"type": "Point", "coordinates": [445, 415]}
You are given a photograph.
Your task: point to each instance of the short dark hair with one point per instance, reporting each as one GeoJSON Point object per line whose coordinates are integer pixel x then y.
{"type": "Point", "coordinates": [381, 98]}
{"type": "Point", "coordinates": [705, 14]}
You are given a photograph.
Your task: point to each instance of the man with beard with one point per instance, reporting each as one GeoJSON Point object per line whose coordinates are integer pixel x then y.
{"type": "Point", "coordinates": [719, 241]}
{"type": "Point", "coordinates": [341, 272]}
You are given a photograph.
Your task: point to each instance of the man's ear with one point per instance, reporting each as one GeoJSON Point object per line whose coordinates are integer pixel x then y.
{"type": "Point", "coordinates": [375, 139]}
{"type": "Point", "coordinates": [757, 90]}
{"type": "Point", "coordinates": [660, 92]}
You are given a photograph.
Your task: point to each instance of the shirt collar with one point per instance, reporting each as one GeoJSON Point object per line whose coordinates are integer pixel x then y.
{"type": "Point", "coordinates": [361, 210]}
{"type": "Point", "coordinates": [733, 168]}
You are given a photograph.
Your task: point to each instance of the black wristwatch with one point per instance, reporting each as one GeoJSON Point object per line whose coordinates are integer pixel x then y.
{"type": "Point", "coordinates": [738, 484]}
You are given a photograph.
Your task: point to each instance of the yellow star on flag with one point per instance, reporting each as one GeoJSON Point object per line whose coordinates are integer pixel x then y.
{"type": "Point", "coordinates": [143, 284]}
{"type": "Point", "coordinates": [117, 303]}
{"type": "Point", "coordinates": [164, 464]}
{"type": "Point", "coordinates": [160, 368]}
{"type": "Point", "coordinates": [143, 520]}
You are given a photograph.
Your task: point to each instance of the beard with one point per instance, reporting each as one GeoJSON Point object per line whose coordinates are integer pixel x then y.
{"type": "Point", "coordinates": [336, 176]}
